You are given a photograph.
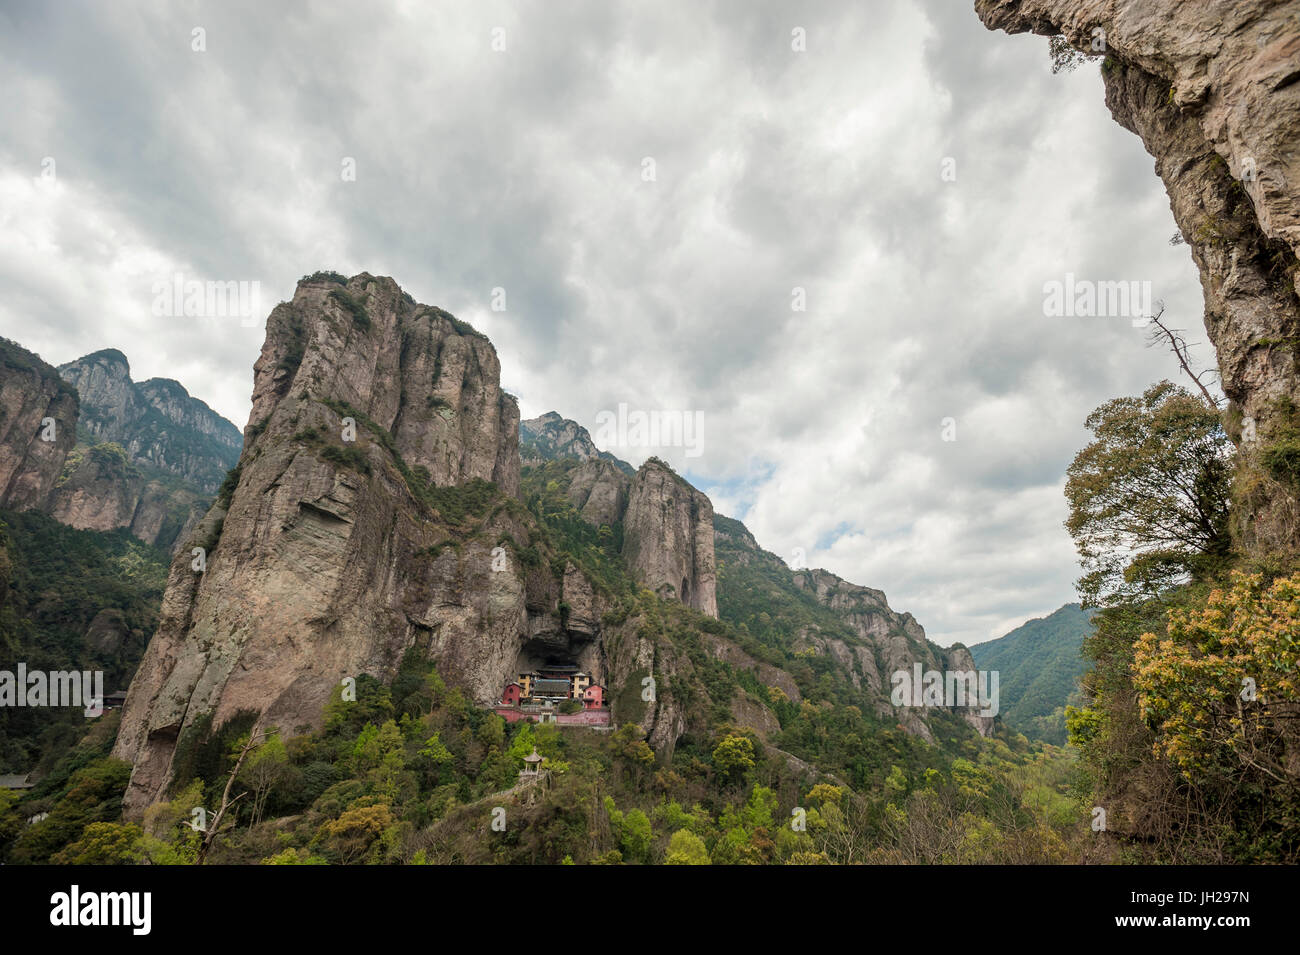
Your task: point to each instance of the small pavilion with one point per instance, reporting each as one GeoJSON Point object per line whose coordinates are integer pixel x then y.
{"type": "Point", "coordinates": [532, 764]}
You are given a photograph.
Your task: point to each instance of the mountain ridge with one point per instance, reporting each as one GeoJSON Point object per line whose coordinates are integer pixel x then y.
{"type": "Point", "coordinates": [378, 509]}
{"type": "Point", "coordinates": [1040, 664]}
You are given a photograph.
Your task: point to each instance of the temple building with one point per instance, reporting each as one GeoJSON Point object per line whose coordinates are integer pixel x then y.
{"type": "Point", "coordinates": [554, 683]}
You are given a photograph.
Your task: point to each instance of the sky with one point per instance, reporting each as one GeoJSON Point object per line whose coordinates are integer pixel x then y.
{"type": "Point", "coordinates": [822, 230]}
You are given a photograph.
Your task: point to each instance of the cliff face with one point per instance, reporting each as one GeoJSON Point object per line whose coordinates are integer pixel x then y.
{"type": "Point", "coordinates": [31, 393]}
{"type": "Point", "coordinates": [157, 422]}
{"type": "Point", "coordinates": [1213, 90]}
{"type": "Point", "coordinates": [667, 527]}
{"type": "Point", "coordinates": [100, 490]}
{"type": "Point", "coordinates": [667, 523]}
{"type": "Point", "coordinates": [428, 379]}
{"type": "Point", "coordinates": [599, 491]}
{"type": "Point", "coordinates": [668, 537]}
{"type": "Point", "coordinates": [333, 557]}
{"type": "Point", "coordinates": [891, 643]}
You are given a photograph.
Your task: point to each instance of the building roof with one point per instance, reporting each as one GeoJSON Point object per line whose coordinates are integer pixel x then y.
{"type": "Point", "coordinates": [533, 757]}
{"type": "Point", "coordinates": [15, 782]}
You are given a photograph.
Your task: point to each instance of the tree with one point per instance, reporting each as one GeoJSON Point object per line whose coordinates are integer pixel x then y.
{"type": "Point", "coordinates": [632, 829]}
{"type": "Point", "coordinates": [352, 835]}
{"type": "Point", "coordinates": [170, 835]}
{"type": "Point", "coordinates": [824, 794]}
{"type": "Point", "coordinates": [294, 857]}
{"type": "Point", "coordinates": [433, 757]}
{"type": "Point", "coordinates": [103, 843]}
{"type": "Point", "coordinates": [524, 743]}
{"type": "Point", "coordinates": [1149, 495]}
{"type": "Point", "coordinates": [255, 736]}
{"type": "Point", "coordinates": [686, 848]}
{"type": "Point", "coordinates": [94, 795]}
{"type": "Point", "coordinates": [1221, 687]}
{"type": "Point", "coordinates": [1163, 334]}
{"type": "Point", "coordinates": [636, 835]}
{"type": "Point", "coordinates": [1065, 58]}
{"type": "Point", "coordinates": [11, 820]}
{"type": "Point", "coordinates": [264, 768]}
{"type": "Point", "coordinates": [734, 755]}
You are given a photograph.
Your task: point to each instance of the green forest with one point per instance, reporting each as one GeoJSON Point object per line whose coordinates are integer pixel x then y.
{"type": "Point", "coordinates": [1179, 715]}
{"type": "Point", "coordinates": [1040, 663]}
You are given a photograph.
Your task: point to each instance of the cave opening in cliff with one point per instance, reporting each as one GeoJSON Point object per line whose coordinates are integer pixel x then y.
{"type": "Point", "coordinates": [554, 667]}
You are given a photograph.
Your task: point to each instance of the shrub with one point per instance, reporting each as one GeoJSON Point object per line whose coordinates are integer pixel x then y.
{"type": "Point", "coordinates": [352, 307]}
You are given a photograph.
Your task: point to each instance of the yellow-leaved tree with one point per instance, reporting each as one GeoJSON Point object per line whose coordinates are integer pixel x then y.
{"type": "Point", "coordinates": [1221, 688]}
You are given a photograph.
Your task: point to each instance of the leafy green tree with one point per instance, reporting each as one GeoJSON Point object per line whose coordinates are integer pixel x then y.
{"type": "Point", "coordinates": [1149, 496]}
{"type": "Point", "coordinates": [169, 835]}
{"type": "Point", "coordinates": [760, 809]}
{"type": "Point", "coordinates": [686, 848]}
{"type": "Point", "coordinates": [294, 857]}
{"type": "Point", "coordinates": [636, 835]}
{"type": "Point", "coordinates": [94, 795]}
{"type": "Point", "coordinates": [352, 836]}
{"type": "Point", "coordinates": [435, 759]}
{"type": "Point", "coordinates": [826, 794]}
{"type": "Point", "coordinates": [734, 756]}
{"type": "Point", "coordinates": [525, 742]}
{"type": "Point", "coordinates": [11, 820]}
{"type": "Point", "coordinates": [629, 743]}
{"type": "Point", "coordinates": [103, 843]}
{"type": "Point", "coordinates": [262, 770]}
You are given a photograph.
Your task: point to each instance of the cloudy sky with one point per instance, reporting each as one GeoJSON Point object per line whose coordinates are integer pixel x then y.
{"type": "Point", "coordinates": [649, 184]}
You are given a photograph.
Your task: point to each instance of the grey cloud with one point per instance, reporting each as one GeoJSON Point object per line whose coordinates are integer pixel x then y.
{"type": "Point", "coordinates": [522, 170]}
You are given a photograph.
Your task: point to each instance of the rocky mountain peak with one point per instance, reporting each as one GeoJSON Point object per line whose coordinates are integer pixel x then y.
{"type": "Point", "coordinates": [109, 358]}
{"type": "Point", "coordinates": [428, 379]}
{"type": "Point", "coordinates": [551, 436]}
{"type": "Point", "coordinates": [332, 551]}
{"type": "Point", "coordinates": [668, 537]}
{"type": "Point", "coordinates": [157, 422]}
{"type": "Point", "coordinates": [38, 423]}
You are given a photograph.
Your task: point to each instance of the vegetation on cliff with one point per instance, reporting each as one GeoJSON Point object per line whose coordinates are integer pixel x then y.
{"type": "Point", "coordinates": [1187, 729]}
{"type": "Point", "coordinates": [414, 773]}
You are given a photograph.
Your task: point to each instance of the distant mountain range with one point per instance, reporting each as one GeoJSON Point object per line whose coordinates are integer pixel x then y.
{"type": "Point", "coordinates": [552, 436]}
{"type": "Point", "coordinates": [98, 451]}
{"type": "Point", "coordinates": [157, 421]}
{"type": "Point", "coordinates": [1039, 665]}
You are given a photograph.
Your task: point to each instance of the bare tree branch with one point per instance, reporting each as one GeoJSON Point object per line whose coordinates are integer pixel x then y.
{"type": "Point", "coordinates": [1164, 334]}
{"type": "Point", "coordinates": [254, 737]}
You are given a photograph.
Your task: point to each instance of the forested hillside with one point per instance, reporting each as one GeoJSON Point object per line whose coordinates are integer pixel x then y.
{"type": "Point", "coordinates": [69, 600]}
{"type": "Point", "coordinates": [1040, 663]}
